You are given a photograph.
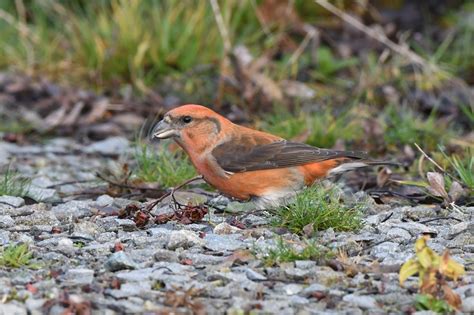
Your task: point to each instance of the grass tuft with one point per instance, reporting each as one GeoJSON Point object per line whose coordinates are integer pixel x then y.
{"type": "Point", "coordinates": [463, 167]}
{"type": "Point", "coordinates": [12, 184]}
{"type": "Point", "coordinates": [16, 256]}
{"type": "Point", "coordinates": [322, 207]}
{"type": "Point", "coordinates": [162, 166]}
{"type": "Point", "coordinates": [284, 252]}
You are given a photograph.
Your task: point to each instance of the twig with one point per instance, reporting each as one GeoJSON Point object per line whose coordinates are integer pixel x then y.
{"type": "Point", "coordinates": [387, 217]}
{"type": "Point", "coordinates": [172, 191]}
{"type": "Point", "coordinates": [111, 182]}
{"type": "Point", "coordinates": [72, 182]}
{"type": "Point", "coordinates": [434, 163]}
{"type": "Point", "coordinates": [440, 218]}
{"type": "Point", "coordinates": [221, 25]}
{"type": "Point", "coordinates": [311, 33]}
{"type": "Point", "coordinates": [430, 159]}
{"type": "Point", "coordinates": [227, 50]}
{"type": "Point", "coordinates": [378, 36]}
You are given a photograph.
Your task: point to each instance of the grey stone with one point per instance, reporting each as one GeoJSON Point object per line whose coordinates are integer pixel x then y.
{"type": "Point", "coordinates": [79, 276]}
{"type": "Point", "coordinates": [43, 194]}
{"type": "Point", "coordinates": [135, 275]}
{"type": "Point", "coordinates": [162, 209]}
{"type": "Point", "coordinates": [166, 255]}
{"type": "Point", "coordinates": [131, 289]}
{"type": "Point", "coordinates": [298, 300]}
{"type": "Point", "coordinates": [253, 220]}
{"type": "Point", "coordinates": [296, 273]}
{"type": "Point", "coordinates": [202, 259]}
{"type": "Point", "coordinates": [419, 212]}
{"type": "Point", "coordinates": [23, 238]}
{"type": "Point", "coordinates": [468, 304]}
{"type": "Point", "coordinates": [119, 261]}
{"type": "Point", "coordinates": [305, 264]}
{"type": "Point", "coordinates": [12, 309]}
{"type": "Point", "coordinates": [13, 201]}
{"type": "Point", "coordinates": [384, 249]}
{"type": "Point", "coordinates": [126, 224]}
{"type": "Point", "coordinates": [416, 229]}
{"type": "Point", "coordinates": [456, 229]}
{"type": "Point", "coordinates": [42, 182]}
{"type": "Point", "coordinates": [220, 243]}
{"type": "Point", "coordinates": [313, 288]}
{"type": "Point", "coordinates": [35, 306]}
{"type": "Point", "coordinates": [362, 301]}
{"type": "Point", "coordinates": [184, 239]}
{"type": "Point", "coordinates": [72, 210]}
{"type": "Point", "coordinates": [398, 234]}
{"type": "Point", "coordinates": [40, 216]}
{"type": "Point", "coordinates": [4, 157]}
{"type": "Point", "coordinates": [254, 276]}
{"type": "Point", "coordinates": [104, 200]}
{"type": "Point", "coordinates": [225, 228]}
{"type": "Point", "coordinates": [4, 237]}
{"type": "Point", "coordinates": [240, 207]}
{"type": "Point", "coordinates": [6, 222]}
{"type": "Point", "coordinates": [465, 290]}
{"type": "Point", "coordinates": [109, 146]}
{"type": "Point", "coordinates": [88, 228]}
{"type": "Point", "coordinates": [292, 289]}
{"type": "Point", "coordinates": [66, 246]}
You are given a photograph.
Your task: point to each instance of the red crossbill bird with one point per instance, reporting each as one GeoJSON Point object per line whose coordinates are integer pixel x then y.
{"type": "Point", "coordinates": [248, 164]}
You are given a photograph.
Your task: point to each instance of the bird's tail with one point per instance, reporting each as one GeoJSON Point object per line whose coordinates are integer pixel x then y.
{"type": "Point", "coordinates": [357, 164]}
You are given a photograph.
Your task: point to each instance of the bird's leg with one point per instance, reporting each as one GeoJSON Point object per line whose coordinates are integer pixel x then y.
{"type": "Point", "coordinates": [172, 191]}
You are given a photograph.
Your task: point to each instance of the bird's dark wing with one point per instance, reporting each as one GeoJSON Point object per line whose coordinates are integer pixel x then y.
{"type": "Point", "coordinates": [238, 156]}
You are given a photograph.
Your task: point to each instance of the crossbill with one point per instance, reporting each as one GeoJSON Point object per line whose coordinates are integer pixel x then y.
{"type": "Point", "coordinates": [248, 164]}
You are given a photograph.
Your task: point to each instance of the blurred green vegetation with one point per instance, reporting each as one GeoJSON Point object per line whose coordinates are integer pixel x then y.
{"type": "Point", "coordinates": [108, 42]}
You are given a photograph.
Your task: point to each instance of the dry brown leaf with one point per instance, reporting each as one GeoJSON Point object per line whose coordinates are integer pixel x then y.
{"type": "Point", "coordinates": [436, 181]}
{"type": "Point", "coordinates": [452, 297]}
{"type": "Point", "coordinates": [455, 191]}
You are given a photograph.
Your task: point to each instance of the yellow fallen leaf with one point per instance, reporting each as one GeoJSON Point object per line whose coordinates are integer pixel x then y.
{"type": "Point", "coordinates": [450, 268]}
{"type": "Point", "coordinates": [421, 243]}
{"type": "Point", "coordinates": [408, 269]}
{"type": "Point", "coordinates": [427, 257]}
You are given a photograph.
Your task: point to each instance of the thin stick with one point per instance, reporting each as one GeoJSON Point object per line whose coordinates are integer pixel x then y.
{"type": "Point", "coordinates": [171, 192]}
{"type": "Point", "coordinates": [440, 218]}
{"type": "Point", "coordinates": [430, 159]}
{"type": "Point", "coordinates": [111, 182]}
{"type": "Point", "coordinates": [221, 25]}
{"type": "Point", "coordinates": [227, 50]}
{"type": "Point", "coordinates": [310, 34]}
{"type": "Point", "coordinates": [378, 36]}
{"type": "Point", "coordinates": [72, 182]}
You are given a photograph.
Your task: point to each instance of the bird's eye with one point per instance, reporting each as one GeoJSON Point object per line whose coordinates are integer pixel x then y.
{"type": "Point", "coordinates": [186, 119]}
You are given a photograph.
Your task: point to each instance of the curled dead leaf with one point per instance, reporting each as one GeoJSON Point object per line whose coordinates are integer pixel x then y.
{"type": "Point", "coordinates": [436, 181]}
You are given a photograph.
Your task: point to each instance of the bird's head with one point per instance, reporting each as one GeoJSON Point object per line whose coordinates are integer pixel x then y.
{"type": "Point", "coordinates": [189, 122]}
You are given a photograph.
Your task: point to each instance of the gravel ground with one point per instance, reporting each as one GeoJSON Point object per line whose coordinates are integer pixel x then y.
{"type": "Point", "coordinates": [89, 259]}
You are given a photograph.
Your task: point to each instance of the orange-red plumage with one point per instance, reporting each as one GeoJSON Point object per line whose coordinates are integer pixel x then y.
{"type": "Point", "coordinates": [244, 163]}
